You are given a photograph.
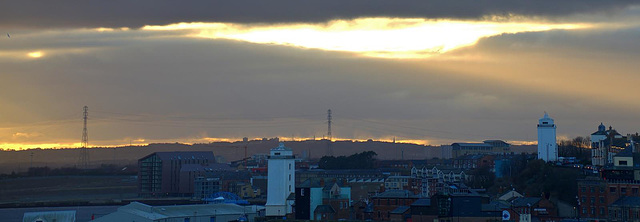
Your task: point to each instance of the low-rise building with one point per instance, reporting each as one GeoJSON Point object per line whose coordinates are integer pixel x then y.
{"type": "Point", "coordinates": [625, 209]}
{"type": "Point", "coordinates": [140, 212]}
{"type": "Point", "coordinates": [312, 194]}
{"type": "Point", "coordinates": [384, 203]}
{"type": "Point", "coordinates": [486, 147]}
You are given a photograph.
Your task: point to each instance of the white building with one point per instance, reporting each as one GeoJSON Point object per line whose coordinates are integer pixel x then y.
{"type": "Point", "coordinates": [605, 144]}
{"type": "Point", "coordinates": [547, 146]}
{"type": "Point", "coordinates": [281, 181]}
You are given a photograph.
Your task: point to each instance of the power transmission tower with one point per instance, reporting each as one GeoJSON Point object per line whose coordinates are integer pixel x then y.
{"type": "Point", "coordinates": [84, 155]}
{"type": "Point", "coordinates": [329, 124]}
{"type": "Point", "coordinates": [329, 148]}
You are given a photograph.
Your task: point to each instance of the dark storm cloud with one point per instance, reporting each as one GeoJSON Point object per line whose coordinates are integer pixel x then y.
{"type": "Point", "coordinates": [125, 13]}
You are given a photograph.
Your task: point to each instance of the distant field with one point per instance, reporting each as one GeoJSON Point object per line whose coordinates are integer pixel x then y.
{"type": "Point", "coordinates": [88, 189]}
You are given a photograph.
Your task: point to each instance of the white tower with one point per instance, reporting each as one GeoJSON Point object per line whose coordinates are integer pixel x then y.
{"type": "Point", "coordinates": [281, 181]}
{"type": "Point", "coordinates": [547, 146]}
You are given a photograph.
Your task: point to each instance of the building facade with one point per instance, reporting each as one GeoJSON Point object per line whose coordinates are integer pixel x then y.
{"type": "Point", "coordinates": [605, 144]}
{"type": "Point", "coordinates": [160, 172]}
{"type": "Point", "coordinates": [486, 147]}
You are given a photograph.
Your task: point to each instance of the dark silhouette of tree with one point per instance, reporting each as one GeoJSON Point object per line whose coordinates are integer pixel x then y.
{"type": "Point", "coordinates": [364, 160]}
{"type": "Point", "coordinates": [577, 147]}
{"type": "Point", "coordinates": [481, 178]}
{"type": "Point", "coordinates": [540, 178]}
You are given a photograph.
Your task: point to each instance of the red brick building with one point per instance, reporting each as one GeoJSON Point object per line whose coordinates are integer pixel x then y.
{"type": "Point", "coordinates": [385, 203]}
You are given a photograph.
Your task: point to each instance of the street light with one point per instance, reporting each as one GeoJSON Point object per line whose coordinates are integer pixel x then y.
{"type": "Point", "coordinates": [577, 199]}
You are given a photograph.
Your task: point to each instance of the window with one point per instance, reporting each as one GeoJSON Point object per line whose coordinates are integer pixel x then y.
{"type": "Point", "coordinates": [623, 190]}
{"type": "Point", "coordinates": [583, 189]}
{"type": "Point", "coordinates": [592, 189]}
{"type": "Point", "coordinates": [612, 189]}
{"type": "Point", "coordinates": [622, 163]}
{"type": "Point", "coordinates": [601, 199]}
{"type": "Point", "coordinates": [601, 211]}
{"type": "Point", "coordinates": [289, 166]}
{"type": "Point", "coordinates": [584, 199]}
{"type": "Point", "coordinates": [593, 200]}
{"type": "Point", "coordinates": [187, 219]}
{"type": "Point", "coordinates": [593, 210]}
{"type": "Point", "coordinates": [289, 177]}
{"type": "Point", "coordinates": [634, 191]}
{"type": "Point", "coordinates": [289, 188]}
{"type": "Point", "coordinates": [212, 219]}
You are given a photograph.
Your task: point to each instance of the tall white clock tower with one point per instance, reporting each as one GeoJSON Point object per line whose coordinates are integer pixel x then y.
{"type": "Point", "coordinates": [547, 146]}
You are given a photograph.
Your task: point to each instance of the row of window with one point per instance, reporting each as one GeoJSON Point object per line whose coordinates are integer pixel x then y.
{"type": "Point", "coordinates": [211, 219]}
{"type": "Point", "coordinates": [592, 211]}
{"type": "Point", "coordinates": [623, 190]}
{"type": "Point", "coordinates": [592, 200]}
{"type": "Point", "coordinates": [592, 189]}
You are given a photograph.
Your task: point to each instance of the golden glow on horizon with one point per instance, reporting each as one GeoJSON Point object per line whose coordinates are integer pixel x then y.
{"type": "Point", "coordinates": [22, 146]}
{"type": "Point", "coordinates": [372, 37]}
{"type": "Point", "coordinates": [36, 54]}
{"type": "Point", "coordinates": [143, 142]}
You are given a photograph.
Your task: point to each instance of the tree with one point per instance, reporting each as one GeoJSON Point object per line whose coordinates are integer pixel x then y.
{"type": "Point", "coordinates": [481, 178]}
{"type": "Point", "coordinates": [577, 147]}
{"type": "Point", "coordinates": [364, 160]}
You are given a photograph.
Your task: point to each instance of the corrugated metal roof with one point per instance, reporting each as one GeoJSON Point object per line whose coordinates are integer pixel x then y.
{"type": "Point", "coordinates": [163, 212]}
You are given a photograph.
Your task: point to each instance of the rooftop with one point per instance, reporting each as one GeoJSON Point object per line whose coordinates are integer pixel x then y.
{"type": "Point", "coordinates": [396, 194]}
{"type": "Point", "coordinates": [627, 202]}
{"type": "Point", "coordinates": [525, 201]}
{"type": "Point", "coordinates": [183, 155]}
{"type": "Point", "coordinates": [165, 212]}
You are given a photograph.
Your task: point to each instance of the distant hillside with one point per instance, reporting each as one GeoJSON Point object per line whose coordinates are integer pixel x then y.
{"type": "Point", "coordinates": [19, 161]}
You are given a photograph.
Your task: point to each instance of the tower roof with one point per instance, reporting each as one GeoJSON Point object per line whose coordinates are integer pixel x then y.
{"type": "Point", "coordinates": [546, 120]}
{"type": "Point", "coordinates": [281, 147]}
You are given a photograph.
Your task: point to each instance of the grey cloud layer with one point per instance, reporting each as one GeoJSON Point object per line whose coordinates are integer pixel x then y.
{"type": "Point", "coordinates": [474, 100]}
{"type": "Point", "coordinates": [15, 14]}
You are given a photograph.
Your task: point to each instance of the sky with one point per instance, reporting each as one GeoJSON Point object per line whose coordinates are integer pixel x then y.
{"type": "Point", "coordinates": [429, 71]}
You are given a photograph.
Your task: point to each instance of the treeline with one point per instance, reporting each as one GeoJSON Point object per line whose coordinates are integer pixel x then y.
{"type": "Point", "coordinates": [102, 170]}
{"type": "Point", "coordinates": [577, 147]}
{"type": "Point", "coordinates": [534, 177]}
{"type": "Point", "coordinates": [364, 160]}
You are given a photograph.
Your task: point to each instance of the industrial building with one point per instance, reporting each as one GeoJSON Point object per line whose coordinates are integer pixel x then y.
{"type": "Point", "coordinates": [140, 212]}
